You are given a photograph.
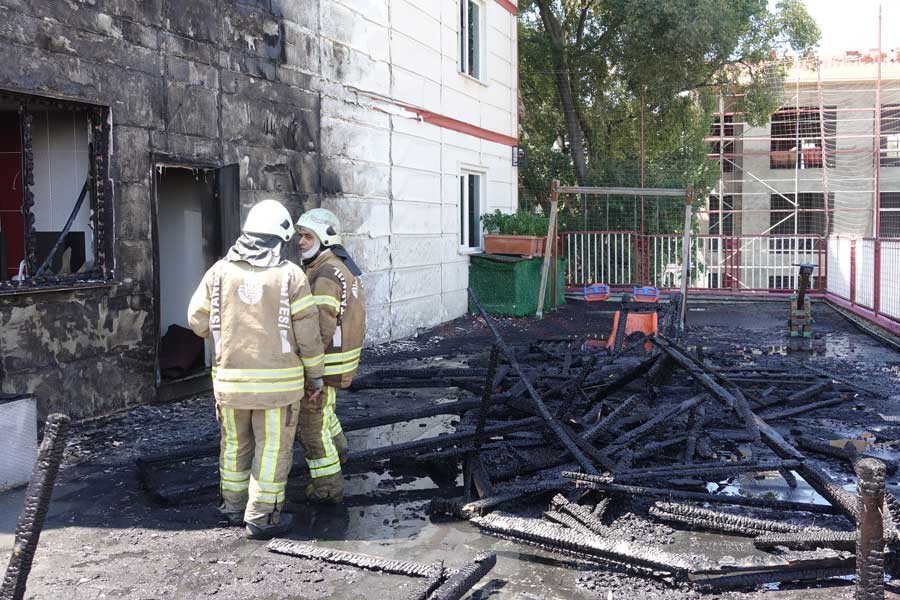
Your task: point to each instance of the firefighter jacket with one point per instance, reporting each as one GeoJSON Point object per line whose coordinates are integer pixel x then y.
{"type": "Point", "coordinates": [341, 300]}
{"type": "Point", "coordinates": [265, 333]}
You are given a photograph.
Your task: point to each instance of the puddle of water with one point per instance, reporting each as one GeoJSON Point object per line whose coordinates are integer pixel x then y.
{"type": "Point", "coordinates": [387, 435]}
{"type": "Point", "coordinates": [770, 486]}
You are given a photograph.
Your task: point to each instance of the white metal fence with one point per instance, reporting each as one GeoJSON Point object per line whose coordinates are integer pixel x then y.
{"type": "Point", "coordinates": [864, 257]}
{"type": "Point", "coordinates": [866, 272]}
{"type": "Point", "coordinates": [890, 278]}
{"type": "Point", "coordinates": [599, 257]}
{"type": "Point", "coordinates": [720, 263]}
{"type": "Point", "coordinates": [839, 267]}
{"type": "Point", "coordinates": [863, 272]}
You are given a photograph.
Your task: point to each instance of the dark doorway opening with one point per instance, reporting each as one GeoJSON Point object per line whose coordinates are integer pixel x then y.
{"type": "Point", "coordinates": [197, 209]}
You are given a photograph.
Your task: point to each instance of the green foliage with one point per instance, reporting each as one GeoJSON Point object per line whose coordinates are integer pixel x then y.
{"type": "Point", "coordinates": [519, 223]}
{"type": "Point", "coordinates": [589, 68]}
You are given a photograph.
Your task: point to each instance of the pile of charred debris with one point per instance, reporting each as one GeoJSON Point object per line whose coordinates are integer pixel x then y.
{"type": "Point", "coordinates": [560, 445]}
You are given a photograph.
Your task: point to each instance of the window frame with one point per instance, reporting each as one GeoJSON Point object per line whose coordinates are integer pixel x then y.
{"type": "Point", "coordinates": [464, 36]}
{"type": "Point", "coordinates": [889, 142]}
{"type": "Point", "coordinates": [723, 214]}
{"type": "Point", "coordinates": [892, 199]}
{"type": "Point", "coordinates": [98, 197]}
{"type": "Point", "coordinates": [463, 241]}
{"type": "Point", "coordinates": [724, 131]}
{"type": "Point", "coordinates": [795, 129]}
{"type": "Point", "coordinates": [797, 216]}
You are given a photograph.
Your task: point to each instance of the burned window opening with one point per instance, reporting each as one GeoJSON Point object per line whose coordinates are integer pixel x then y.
{"type": "Point", "coordinates": [51, 150]}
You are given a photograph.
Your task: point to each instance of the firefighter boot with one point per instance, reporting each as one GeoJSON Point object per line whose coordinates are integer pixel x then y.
{"type": "Point", "coordinates": [233, 516]}
{"type": "Point", "coordinates": [267, 532]}
{"type": "Point", "coordinates": [326, 490]}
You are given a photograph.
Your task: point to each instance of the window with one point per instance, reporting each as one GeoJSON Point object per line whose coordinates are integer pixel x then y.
{"type": "Point", "coordinates": [889, 222]}
{"type": "Point", "coordinates": [796, 138]}
{"type": "Point", "coordinates": [721, 216]}
{"type": "Point", "coordinates": [470, 203]}
{"type": "Point", "coordinates": [53, 200]}
{"type": "Point", "coordinates": [803, 215]}
{"type": "Point", "coordinates": [471, 47]}
{"type": "Point", "coordinates": [890, 135]}
{"type": "Point", "coordinates": [715, 131]}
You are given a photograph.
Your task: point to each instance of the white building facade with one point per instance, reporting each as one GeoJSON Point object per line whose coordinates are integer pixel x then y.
{"type": "Point", "coordinates": [419, 123]}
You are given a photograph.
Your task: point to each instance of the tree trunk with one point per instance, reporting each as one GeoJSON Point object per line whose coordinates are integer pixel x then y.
{"type": "Point", "coordinates": [574, 130]}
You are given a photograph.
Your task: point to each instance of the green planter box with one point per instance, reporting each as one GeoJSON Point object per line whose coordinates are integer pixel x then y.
{"type": "Point", "coordinates": [509, 285]}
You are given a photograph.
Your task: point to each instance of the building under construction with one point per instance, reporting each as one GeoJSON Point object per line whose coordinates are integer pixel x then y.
{"type": "Point", "coordinates": [817, 184]}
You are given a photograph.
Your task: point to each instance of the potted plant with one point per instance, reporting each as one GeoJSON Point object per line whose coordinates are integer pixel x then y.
{"type": "Point", "coordinates": [521, 233]}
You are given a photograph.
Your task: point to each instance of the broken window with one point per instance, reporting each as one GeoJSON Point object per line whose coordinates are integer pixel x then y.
{"type": "Point", "coordinates": [890, 135]}
{"type": "Point", "coordinates": [797, 137]}
{"type": "Point", "coordinates": [470, 203]}
{"type": "Point", "coordinates": [471, 47]}
{"type": "Point", "coordinates": [889, 222]}
{"type": "Point", "coordinates": [52, 193]}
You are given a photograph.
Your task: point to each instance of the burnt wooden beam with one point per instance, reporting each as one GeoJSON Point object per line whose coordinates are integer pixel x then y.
{"type": "Point", "coordinates": [628, 491]}
{"type": "Point", "coordinates": [552, 423]}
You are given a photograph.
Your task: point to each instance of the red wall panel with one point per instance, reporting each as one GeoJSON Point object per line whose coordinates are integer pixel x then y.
{"type": "Point", "coordinates": [11, 221]}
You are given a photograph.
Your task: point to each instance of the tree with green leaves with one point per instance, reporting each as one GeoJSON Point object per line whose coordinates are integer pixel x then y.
{"type": "Point", "coordinates": [589, 67]}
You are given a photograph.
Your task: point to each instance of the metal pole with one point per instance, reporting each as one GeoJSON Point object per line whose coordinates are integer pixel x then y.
{"type": "Point", "coordinates": [548, 247]}
{"type": "Point", "coordinates": [642, 277]}
{"type": "Point", "coordinates": [686, 256]}
{"type": "Point", "coordinates": [876, 300]}
{"type": "Point", "coordinates": [798, 153]}
{"type": "Point", "coordinates": [824, 148]}
{"type": "Point", "coordinates": [870, 534]}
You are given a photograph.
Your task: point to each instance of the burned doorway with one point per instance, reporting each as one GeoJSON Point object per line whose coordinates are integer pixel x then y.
{"type": "Point", "coordinates": [197, 209]}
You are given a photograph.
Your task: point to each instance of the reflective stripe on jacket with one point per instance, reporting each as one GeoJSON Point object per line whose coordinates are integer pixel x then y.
{"type": "Point", "coordinates": [263, 324]}
{"type": "Point", "coordinates": [341, 301]}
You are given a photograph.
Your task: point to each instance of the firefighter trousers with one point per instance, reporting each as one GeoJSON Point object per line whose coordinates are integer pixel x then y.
{"type": "Point", "coordinates": [255, 459]}
{"type": "Point", "coordinates": [323, 442]}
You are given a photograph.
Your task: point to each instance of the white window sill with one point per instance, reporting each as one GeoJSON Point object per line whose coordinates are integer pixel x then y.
{"type": "Point", "coordinates": [469, 251]}
{"type": "Point", "coordinates": [475, 79]}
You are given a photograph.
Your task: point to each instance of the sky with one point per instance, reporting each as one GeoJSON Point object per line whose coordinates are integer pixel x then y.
{"type": "Point", "coordinates": [853, 24]}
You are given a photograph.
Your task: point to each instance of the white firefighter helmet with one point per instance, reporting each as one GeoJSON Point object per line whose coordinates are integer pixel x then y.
{"type": "Point", "coordinates": [324, 224]}
{"type": "Point", "coordinates": [269, 217]}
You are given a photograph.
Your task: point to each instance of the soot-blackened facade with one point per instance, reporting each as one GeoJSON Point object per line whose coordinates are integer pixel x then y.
{"type": "Point", "coordinates": [172, 116]}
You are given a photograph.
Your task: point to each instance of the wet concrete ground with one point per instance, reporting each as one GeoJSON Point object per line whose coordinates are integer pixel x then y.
{"type": "Point", "coordinates": [104, 539]}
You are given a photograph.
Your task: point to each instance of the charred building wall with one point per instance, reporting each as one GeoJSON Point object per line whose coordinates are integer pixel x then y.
{"type": "Point", "coordinates": [200, 85]}
{"type": "Point", "coordinates": [182, 115]}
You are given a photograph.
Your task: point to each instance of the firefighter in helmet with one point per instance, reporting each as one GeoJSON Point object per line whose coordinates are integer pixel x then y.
{"type": "Point", "coordinates": [339, 296]}
{"type": "Point", "coordinates": [263, 322]}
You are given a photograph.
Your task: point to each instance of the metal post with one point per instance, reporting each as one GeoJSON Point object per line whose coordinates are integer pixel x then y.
{"type": "Point", "coordinates": [551, 231]}
{"type": "Point", "coordinates": [686, 256]}
{"type": "Point", "coordinates": [824, 148]}
{"type": "Point", "coordinates": [870, 535]}
{"type": "Point", "coordinates": [798, 153]}
{"type": "Point", "coordinates": [876, 300]}
{"type": "Point", "coordinates": [642, 276]}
